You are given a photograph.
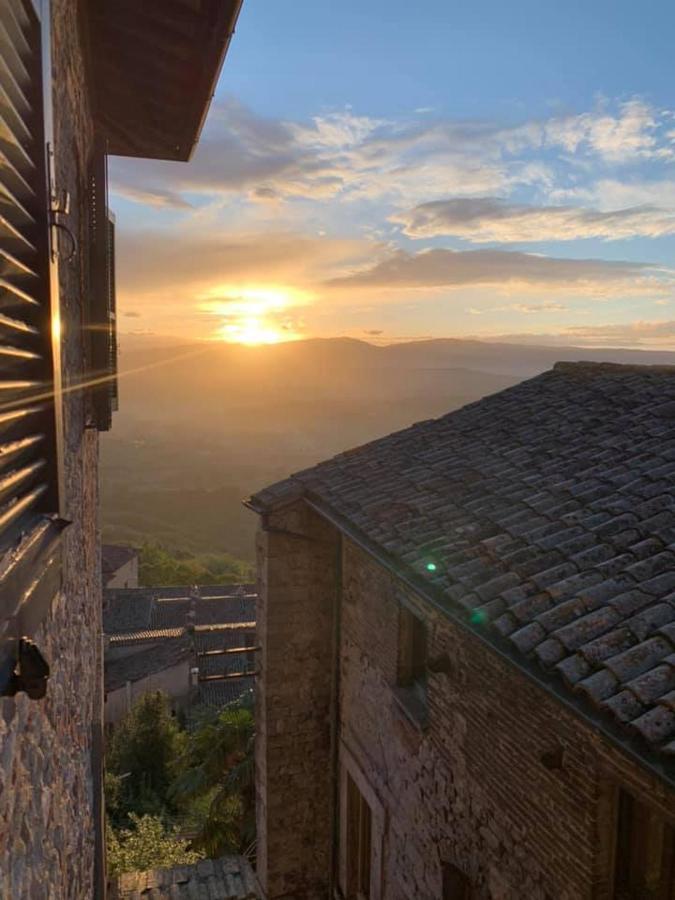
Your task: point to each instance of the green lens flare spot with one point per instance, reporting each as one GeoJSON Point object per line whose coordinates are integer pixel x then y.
{"type": "Point", "coordinates": [431, 567]}
{"type": "Point", "coordinates": [478, 617]}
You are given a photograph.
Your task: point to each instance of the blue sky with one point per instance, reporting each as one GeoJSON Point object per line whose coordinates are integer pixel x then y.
{"type": "Point", "coordinates": [370, 169]}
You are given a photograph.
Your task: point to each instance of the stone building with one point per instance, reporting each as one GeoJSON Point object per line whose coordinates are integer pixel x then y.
{"type": "Point", "coordinates": [467, 683]}
{"type": "Point", "coordinates": [78, 80]}
{"type": "Point", "coordinates": [198, 646]}
{"type": "Point", "coordinates": [119, 566]}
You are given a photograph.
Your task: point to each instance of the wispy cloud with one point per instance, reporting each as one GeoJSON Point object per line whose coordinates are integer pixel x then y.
{"type": "Point", "coordinates": [487, 219]}
{"type": "Point", "coordinates": [454, 268]}
{"type": "Point", "coordinates": [343, 155]}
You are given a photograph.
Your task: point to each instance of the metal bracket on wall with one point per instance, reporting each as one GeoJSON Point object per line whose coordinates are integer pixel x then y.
{"type": "Point", "coordinates": [59, 205]}
{"type": "Point", "coordinates": [31, 672]}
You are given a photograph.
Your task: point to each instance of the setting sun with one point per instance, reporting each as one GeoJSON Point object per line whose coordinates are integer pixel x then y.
{"type": "Point", "coordinates": [254, 316]}
{"type": "Point", "coordinates": [252, 332]}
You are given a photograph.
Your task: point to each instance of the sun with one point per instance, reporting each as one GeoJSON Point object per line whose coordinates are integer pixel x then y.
{"type": "Point", "coordinates": [252, 332]}
{"type": "Point", "coordinates": [253, 316]}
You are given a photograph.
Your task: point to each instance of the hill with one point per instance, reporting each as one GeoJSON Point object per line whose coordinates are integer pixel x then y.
{"type": "Point", "coordinates": [203, 425]}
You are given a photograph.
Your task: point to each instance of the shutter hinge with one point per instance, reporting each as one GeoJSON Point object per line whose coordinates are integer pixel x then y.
{"type": "Point", "coordinates": [59, 205]}
{"type": "Point", "coordinates": [31, 672]}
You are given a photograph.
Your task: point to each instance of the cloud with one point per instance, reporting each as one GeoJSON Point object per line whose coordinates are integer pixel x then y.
{"type": "Point", "coordinates": [486, 219]}
{"type": "Point", "coordinates": [610, 193]}
{"type": "Point", "coordinates": [373, 331]}
{"type": "Point", "coordinates": [454, 268]}
{"type": "Point", "coordinates": [350, 157]}
{"type": "Point", "coordinates": [652, 334]}
{"type": "Point", "coordinates": [182, 265]}
{"type": "Point", "coordinates": [631, 133]}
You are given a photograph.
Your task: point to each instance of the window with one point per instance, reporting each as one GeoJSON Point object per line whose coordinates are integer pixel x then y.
{"type": "Point", "coordinates": [645, 852]}
{"type": "Point", "coordinates": [411, 681]}
{"type": "Point", "coordinates": [455, 883]}
{"type": "Point", "coordinates": [359, 843]}
{"type": "Point", "coordinates": [412, 660]}
{"type": "Point", "coordinates": [30, 380]}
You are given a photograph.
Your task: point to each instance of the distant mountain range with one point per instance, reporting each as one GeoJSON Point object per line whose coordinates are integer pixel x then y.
{"type": "Point", "coordinates": [201, 425]}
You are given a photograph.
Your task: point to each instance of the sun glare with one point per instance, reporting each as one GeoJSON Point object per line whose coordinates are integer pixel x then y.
{"type": "Point", "coordinates": [254, 316]}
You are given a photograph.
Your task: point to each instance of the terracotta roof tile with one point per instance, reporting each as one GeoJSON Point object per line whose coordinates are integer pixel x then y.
{"type": "Point", "coordinates": [551, 507]}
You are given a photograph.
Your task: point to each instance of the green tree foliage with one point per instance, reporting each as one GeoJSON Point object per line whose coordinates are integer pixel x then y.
{"type": "Point", "coordinates": [217, 782]}
{"type": "Point", "coordinates": [161, 567]}
{"type": "Point", "coordinates": [159, 774]}
{"type": "Point", "coordinates": [143, 759]}
{"type": "Point", "coordinates": [146, 845]}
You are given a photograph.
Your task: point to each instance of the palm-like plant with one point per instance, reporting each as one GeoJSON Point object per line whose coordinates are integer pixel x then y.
{"type": "Point", "coordinates": [218, 780]}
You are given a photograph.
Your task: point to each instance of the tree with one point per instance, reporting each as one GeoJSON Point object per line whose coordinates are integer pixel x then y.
{"type": "Point", "coordinates": [144, 758]}
{"type": "Point", "coordinates": [147, 845]}
{"type": "Point", "coordinates": [161, 567]}
{"type": "Point", "coordinates": [218, 781]}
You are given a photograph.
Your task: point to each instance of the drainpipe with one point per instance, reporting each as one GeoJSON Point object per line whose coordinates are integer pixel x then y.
{"type": "Point", "coordinates": [335, 725]}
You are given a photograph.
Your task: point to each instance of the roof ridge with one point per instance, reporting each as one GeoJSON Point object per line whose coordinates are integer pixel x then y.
{"type": "Point", "coordinates": [592, 367]}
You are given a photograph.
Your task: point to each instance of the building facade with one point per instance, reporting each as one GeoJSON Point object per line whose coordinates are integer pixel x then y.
{"type": "Point", "coordinates": [467, 674]}
{"type": "Point", "coordinates": [197, 645]}
{"type": "Point", "coordinates": [119, 566]}
{"type": "Point", "coordinates": [77, 81]}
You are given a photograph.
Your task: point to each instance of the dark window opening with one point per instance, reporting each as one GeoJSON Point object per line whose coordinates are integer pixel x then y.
{"type": "Point", "coordinates": [411, 680]}
{"type": "Point", "coordinates": [359, 843]}
{"type": "Point", "coordinates": [456, 885]}
{"type": "Point", "coordinates": [645, 852]}
{"type": "Point", "coordinates": [412, 660]}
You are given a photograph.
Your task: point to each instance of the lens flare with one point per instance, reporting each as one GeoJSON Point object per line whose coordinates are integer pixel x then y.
{"type": "Point", "coordinates": [254, 316]}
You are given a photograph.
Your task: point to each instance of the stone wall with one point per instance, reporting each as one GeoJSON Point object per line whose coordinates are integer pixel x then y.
{"type": "Point", "coordinates": [473, 788]}
{"type": "Point", "coordinates": [479, 787]}
{"type": "Point", "coordinates": [297, 554]}
{"type": "Point", "coordinates": [47, 784]}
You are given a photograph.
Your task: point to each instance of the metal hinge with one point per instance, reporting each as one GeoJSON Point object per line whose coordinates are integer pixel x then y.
{"type": "Point", "coordinates": [59, 205]}
{"type": "Point", "coordinates": [30, 674]}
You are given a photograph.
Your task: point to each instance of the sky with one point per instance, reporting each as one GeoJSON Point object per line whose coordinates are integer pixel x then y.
{"type": "Point", "coordinates": [392, 172]}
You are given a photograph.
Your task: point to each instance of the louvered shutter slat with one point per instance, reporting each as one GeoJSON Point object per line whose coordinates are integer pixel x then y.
{"type": "Point", "coordinates": [27, 427]}
{"type": "Point", "coordinates": [14, 269]}
{"type": "Point", "coordinates": [14, 180]}
{"type": "Point", "coordinates": [30, 419]}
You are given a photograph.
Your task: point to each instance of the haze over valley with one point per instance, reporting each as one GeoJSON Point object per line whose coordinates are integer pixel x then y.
{"type": "Point", "coordinates": [202, 425]}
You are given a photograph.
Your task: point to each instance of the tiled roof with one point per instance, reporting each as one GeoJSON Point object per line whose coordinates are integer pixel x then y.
{"type": "Point", "coordinates": [149, 661]}
{"type": "Point", "coordinates": [546, 513]}
{"type": "Point", "coordinates": [148, 634]}
{"type": "Point", "coordinates": [227, 690]}
{"type": "Point", "coordinates": [226, 663]}
{"type": "Point", "coordinates": [135, 610]}
{"type": "Point", "coordinates": [209, 610]}
{"type": "Point", "coordinates": [126, 609]}
{"type": "Point", "coordinates": [233, 635]}
{"type": "Point", "coordinates": [228, 878]}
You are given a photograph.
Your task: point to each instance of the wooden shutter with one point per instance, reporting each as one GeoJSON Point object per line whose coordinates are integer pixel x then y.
{"type": "Point", "coordinates": [102, 303]}
{"type": "Point", "coordinates": [359, 843]}
{"type": "Point", "coordinates": [456, 885]}
{"type": "Point", "coordinates": [30, 398]}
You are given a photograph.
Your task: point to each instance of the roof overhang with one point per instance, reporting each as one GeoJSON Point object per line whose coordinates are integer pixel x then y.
{"type": "Point", "coordinates": [155, 65]}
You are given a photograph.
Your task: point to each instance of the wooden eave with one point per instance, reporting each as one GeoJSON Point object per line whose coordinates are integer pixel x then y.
{"type": "Point", "coordinates": [154, 66]}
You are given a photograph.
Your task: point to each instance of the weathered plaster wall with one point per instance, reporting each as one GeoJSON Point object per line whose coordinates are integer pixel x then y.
{"type": "Point", "coordinates": [126, 576]}
{"type": "Point", "coordinates": [472, 788]}
{"type": "Point", "coordinates": [46, 782]}
{"type": "Point", "coordinates": [173, 681]}
{"type": "Point", "coordinates": [297, 556]}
